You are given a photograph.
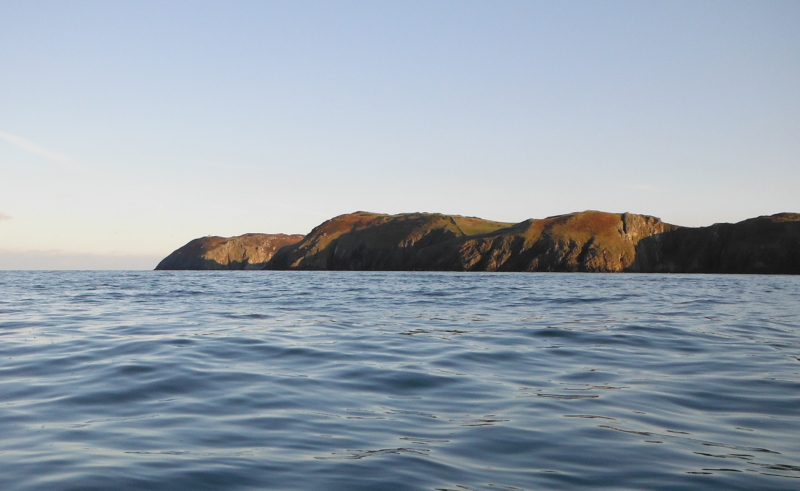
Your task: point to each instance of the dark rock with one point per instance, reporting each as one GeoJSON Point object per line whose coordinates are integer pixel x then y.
{"type": "Point", "coordinates": [762, 245]}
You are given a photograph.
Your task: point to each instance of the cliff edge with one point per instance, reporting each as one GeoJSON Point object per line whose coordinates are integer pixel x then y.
{"type": "Point", "coordinates": [761, 245]}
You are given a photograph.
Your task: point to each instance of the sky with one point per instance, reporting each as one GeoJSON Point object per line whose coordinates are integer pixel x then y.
{"type": "Point", "coordinates": [129, 128]}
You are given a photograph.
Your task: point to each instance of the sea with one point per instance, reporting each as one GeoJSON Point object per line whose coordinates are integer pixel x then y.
{"type": "Point", "coordinates": [260, 380]}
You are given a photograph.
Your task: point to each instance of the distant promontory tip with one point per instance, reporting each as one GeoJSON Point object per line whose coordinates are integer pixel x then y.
{"type": "Point", "coordinates": [589, 241]}
{"type": "Point", "coordinates": [248, 251]}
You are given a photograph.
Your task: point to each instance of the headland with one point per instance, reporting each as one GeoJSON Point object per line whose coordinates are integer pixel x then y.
{"type": "Point", "coordinates": [588, 241]}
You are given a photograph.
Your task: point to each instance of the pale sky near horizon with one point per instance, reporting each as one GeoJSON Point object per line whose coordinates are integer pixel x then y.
{"type": "Point", "coordinates": [129, 128]}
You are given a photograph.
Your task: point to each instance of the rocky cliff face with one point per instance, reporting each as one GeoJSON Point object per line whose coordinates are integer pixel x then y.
{"type": "Point", "coordinates": [371, 241]}
{"type": "Point", "coordinates": [589, 241]}
{"type": "Point", "coordinates": [249, 251]}
{"type": "Point", "coordinates": [762, 245]}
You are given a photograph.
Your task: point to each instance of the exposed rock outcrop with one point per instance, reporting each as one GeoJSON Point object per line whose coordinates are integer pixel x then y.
{"type": "Point", "coordinates": [249, 251]}
{"type": "Point", "coordinates": [372, 241]}
{"type": "Point", "coordinates": [589, 241]}
{"type": "Point", "coordinates": [762, 245]}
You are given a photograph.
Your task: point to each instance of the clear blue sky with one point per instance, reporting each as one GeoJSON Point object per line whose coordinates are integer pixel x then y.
{"type": "Point", "coordinates": [129, 128]}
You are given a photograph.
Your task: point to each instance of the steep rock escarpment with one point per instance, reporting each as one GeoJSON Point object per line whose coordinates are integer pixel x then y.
{"type": "Point", "coordinates": [762, 245]}
{"type": "Point", "coordinates": [372, 241]}
{"type": "Point", "coordinates": [249, 251]}
{"type": "Point", "coordinates": [589, 241]}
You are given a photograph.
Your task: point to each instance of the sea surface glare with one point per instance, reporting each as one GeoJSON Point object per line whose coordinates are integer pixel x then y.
{"type": "Point", "coordinates": [398, 381]}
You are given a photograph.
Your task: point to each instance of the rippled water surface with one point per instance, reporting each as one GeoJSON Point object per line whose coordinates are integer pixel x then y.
{"type": "Point", "coordinates": [398, 381]}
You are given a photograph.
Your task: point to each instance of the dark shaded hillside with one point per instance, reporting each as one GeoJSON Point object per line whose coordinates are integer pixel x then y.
{"type": "Point", "coordinates": [762, 245]}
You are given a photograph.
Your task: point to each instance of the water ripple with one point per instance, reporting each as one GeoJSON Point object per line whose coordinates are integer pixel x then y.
{"type": "Point", "coordinates": [398, 381]}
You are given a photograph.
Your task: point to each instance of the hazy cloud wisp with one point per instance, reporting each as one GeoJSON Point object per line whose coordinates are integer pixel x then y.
{"type": "Point", "coordinates": [62, 160]}
{"type": "Point", "coordinates": [3, 216]}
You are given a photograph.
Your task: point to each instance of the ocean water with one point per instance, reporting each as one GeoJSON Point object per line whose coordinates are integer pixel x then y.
{"type": "Point", "coordinates": [398, 381]}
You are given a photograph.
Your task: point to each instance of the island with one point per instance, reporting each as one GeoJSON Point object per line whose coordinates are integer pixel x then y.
{"type": "Point", "coordinates": [588, 241]}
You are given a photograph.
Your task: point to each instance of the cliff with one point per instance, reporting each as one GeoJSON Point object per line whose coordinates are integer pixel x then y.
{"type": "Point", "coordinates": [762, 245]}
{"type": "Point", "coordinates": [589, 241]}
{"type": "Point", "coordinates": [249, 251]}
{"type": "Point", "coordinates": [372, 241]}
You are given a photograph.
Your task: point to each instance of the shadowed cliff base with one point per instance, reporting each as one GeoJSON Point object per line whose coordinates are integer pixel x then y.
{"type": "Point", "coordinates": [589, 241]}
